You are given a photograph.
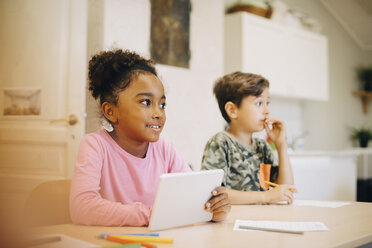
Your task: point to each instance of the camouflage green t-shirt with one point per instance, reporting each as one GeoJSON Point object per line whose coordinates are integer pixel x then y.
{"type": "Point", "coordinates": [241, 163]}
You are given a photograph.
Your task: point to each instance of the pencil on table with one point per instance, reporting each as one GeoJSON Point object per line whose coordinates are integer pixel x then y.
{"type": "Point", "coordinates": [132, 245]}
{"type": "Point", "coordinates": [127, 241]}
{"type": "Point", "coordinates": [269, 229]}
{"type": "Point", "coordinates": [145, 238]}
{"type": "Point", "coordinates": [276, 185]}
{"type": "Point", "coordinates": [102, 235]}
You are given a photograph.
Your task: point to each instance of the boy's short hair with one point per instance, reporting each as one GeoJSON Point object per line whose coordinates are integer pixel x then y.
{"type": "Point", "coordinates": [235, 86]}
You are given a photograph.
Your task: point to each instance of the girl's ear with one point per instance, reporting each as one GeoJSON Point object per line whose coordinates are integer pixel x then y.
{"type": "Point", "coordinates": [109, 112]}
{"type": "Point", "coordinates": [231, 110]}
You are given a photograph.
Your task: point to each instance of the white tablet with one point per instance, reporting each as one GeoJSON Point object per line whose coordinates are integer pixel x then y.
{"type": "Point", "coordinates": [181, 197]}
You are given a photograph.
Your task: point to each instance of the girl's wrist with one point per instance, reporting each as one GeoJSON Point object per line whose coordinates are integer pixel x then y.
{"type": "Point", "coordinates": [281, 145]}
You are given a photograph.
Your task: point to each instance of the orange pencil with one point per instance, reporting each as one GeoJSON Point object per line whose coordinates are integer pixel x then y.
{"type": "Point", "coordinates": [276, 185]}
{"type": "Point", "coordinates": [126, 241]}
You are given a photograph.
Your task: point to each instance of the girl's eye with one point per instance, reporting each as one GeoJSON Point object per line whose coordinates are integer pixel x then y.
{"type": "Point", "coordinates": [258, 104]}
{"type": "Point", "coordinates": [146, 102]}
{"type": "Point", "coordinates": [268, 103]}
{"type": "Point", "coordinates": [163, 105]}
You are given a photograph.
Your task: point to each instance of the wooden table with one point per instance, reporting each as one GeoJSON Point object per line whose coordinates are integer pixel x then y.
{"type": "Point", "coordinates": [349, 226]}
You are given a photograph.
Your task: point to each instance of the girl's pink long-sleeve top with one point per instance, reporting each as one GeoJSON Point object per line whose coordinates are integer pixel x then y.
{"type": "Point", "coordinates": [111, 187]}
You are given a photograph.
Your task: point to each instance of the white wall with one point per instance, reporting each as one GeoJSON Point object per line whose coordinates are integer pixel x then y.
{"type": "Point", "coordinates": [192, 112]}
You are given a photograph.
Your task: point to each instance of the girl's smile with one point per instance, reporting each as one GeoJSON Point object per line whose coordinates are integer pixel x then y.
{"type": "Point", "coordinates": [155, 128]}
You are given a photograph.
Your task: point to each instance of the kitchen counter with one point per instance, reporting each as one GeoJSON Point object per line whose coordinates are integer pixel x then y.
{"type": "Point", "coordinates": [333, 174]}
{"type": "Point", "coordinates": [325, 175]}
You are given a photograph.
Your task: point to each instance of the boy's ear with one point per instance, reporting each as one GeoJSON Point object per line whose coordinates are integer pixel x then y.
{"type": "Point", "coordinates": [231, 110]}
{"type": "Point", "coordinates": [109, 112]}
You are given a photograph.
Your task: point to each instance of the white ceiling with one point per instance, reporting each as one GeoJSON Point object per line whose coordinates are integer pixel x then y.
{"type": "Point", "coordinates": [356, 17]}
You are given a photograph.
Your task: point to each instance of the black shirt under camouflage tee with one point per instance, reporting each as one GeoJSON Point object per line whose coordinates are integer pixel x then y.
{"type": "Point", "coordinates": [241, 163]}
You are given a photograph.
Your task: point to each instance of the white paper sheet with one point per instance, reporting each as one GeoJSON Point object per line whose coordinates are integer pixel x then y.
{"type": "Point", "coordinates": [326, 204]}
{"type": "Point", "coordinates": [281, 225]}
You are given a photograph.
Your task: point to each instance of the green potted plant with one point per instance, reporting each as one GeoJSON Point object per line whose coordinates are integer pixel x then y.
{"type": "Point", "coordinates": [364, 74]}
{"type": "Point", "coordinates": [363, 135]}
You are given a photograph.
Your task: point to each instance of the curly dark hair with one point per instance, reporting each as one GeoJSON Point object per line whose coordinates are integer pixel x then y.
{"type": "Point", "coordinates": [110, 72]}
{"type": "Point", "coordinates": [235, 86]}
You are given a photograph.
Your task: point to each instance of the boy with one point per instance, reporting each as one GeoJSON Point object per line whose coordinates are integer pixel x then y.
{"type": "Point", "coordinates": [248, 162]}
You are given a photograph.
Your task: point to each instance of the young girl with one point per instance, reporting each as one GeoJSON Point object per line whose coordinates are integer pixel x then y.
{"type": "Point", "coordinates": [248, 162]}
{"type": "Point", "coordinates": [117, 170]}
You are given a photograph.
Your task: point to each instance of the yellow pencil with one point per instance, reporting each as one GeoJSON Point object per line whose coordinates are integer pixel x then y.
{"type": "Point", "coordinates": [144, 238]}
{"type": "Point", "coordinates": [276, 185]}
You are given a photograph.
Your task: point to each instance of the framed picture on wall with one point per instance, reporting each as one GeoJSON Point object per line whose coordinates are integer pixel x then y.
{"type": "Point", "coordinates": [21, 102]}
{"type": "Point", "coordinates": [170, 32]}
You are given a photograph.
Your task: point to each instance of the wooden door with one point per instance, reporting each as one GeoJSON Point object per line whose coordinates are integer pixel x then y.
{"type": "Point", "coordinates": [43, 64]}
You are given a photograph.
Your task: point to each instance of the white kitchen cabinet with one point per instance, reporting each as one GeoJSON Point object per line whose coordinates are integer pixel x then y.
{"type": "Point", "coordinates": [294, 60]}
{"type": "Point", "coordinates": [325, 176]}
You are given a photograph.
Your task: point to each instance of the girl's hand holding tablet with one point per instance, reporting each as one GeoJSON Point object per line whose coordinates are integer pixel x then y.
{"type": "Point", "coordinates": [219, 205]}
